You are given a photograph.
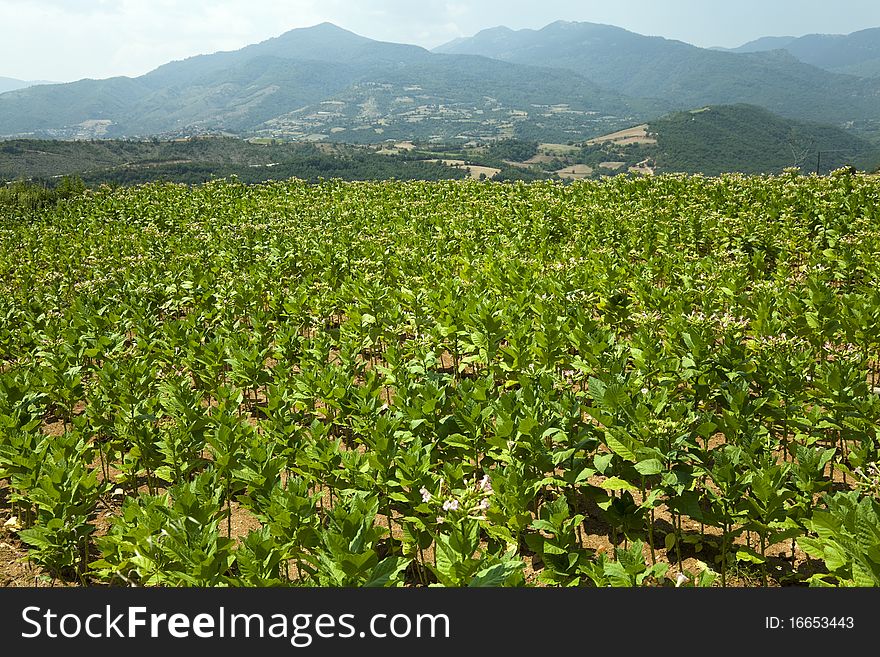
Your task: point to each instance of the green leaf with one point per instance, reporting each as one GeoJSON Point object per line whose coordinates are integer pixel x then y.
{"type": "Point", "coordinates": [616, 483]}
{"type": "Point", "coordinates": [597, 389]}
{"type": "Point", "coordinates": [387, 572]}
{"type": "Point", "coordinates": [620, 448]}
{"type": "Point", "coordinates": [649, 467]}
{"type": "Point", "coordinates": [602, 461]}
{"type": "Point", "coordinates": [550, 548]}
{"type": "Point", "coordinates": [653, 498]}
{"type": "Point", "coordinates": [706, 429]}
{"type": "Point", "coordinates": [835, 557]}
{"type": "Point", "coordinates": [584, 474]}
{"type": "Point", "coordinates": [496, 575]}
{"type": "Point", "coordinates": [747, 554]}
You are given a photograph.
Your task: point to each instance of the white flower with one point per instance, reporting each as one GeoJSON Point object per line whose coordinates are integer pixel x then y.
{"type": "Point", "coordinates": [486, 484]}
{"type": "Point", "coordinates": [484, 504]}
{"type": "Point", "coordinates": [644, 391]}
{"type": "Point", "coordinates": [450, 505]}
{"type": "Point", "coordinates": [681, 579]}
{"type": "Point", "coordinates": [426, 494]}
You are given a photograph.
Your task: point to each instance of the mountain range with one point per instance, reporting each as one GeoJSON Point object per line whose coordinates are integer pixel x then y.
{"type": "Point", "coordinates": [565, 82]}
{"type": "Point", "coordinates": [11, 84]}
{"type": "Point", "coordinates": [316, 83]}
{"type": "Point", "coordinates": [856, 54]}
{"type": "Point", "coordinates": [682, 75]}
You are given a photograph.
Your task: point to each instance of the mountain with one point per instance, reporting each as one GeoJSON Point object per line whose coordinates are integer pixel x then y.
{"type": "Point", "coordinates": [681, 74]}
{"type": "Point", "coordinates": [324, 83]}
{"type": "Point", "coordinates": [564, 83]}
{"type": "Point", "coordinates": [11, 84]}
{"type": "Point", "coordinates": [855, 54]}
{"type": "Point", "coordinates": [763, 44]}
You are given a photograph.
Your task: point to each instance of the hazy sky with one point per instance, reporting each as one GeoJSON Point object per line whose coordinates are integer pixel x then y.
{"type": "Point", "coordinates": [71, 39]}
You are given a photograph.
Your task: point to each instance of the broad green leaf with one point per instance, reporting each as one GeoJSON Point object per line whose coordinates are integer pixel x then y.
{"type": "Point", "coordinates": [616, 483]}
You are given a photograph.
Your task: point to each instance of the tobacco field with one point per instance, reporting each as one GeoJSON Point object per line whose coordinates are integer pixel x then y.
{"type": "Point", "coordinates": [666, 381]}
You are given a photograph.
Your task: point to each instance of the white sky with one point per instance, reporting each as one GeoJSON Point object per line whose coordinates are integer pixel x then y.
{"type": "Point", "coordinates": [66, 40]}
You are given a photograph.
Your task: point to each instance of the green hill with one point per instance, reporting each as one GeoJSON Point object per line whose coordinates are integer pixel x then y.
{"type": "Point", "coordinates": [710, 140]}
{"type": "Point", "coordinates": [748, 139]}
{"type": "Point", "coordinates": [202, 159]}
{"type": "Point", "coordinates": [731, 138]}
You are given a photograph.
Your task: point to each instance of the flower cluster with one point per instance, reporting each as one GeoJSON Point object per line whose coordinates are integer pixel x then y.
{"type": "Point", "coordinates": [643, 317]}
{"type": "Point", "coordinates": [781, 342]}
{"type": "Point", "coordinates": [719, 320]}
{"type": "Point", "coordinates": [469, 502]}
{"type": "Point", "coordinates": [868, 479]}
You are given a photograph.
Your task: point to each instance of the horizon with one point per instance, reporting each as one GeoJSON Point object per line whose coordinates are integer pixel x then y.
{"type": "Point", "coordinates": [99, 39]}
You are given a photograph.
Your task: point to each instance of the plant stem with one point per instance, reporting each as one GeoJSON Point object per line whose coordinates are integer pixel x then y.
{"type": "Point", "coordinates": [678, 541]}
{"type": "Point", "coordinates": [763, 560]}
{"type": "Point", "coordinates": [228, 510]}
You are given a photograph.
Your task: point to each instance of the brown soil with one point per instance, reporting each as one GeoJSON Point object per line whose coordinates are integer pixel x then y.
{"type": "Point", "coordinates": [635, 135]}
{"type": "Point", "coordinates": [14, 569]}
{"type": "Point", "coordinates": [474, 170]}
{"type": "Point", "coordinates": [541, 159]}
{"type": "Point", "coordinates": [642, 168]}
{"type": "Point", "coordinates": [575, 172]}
